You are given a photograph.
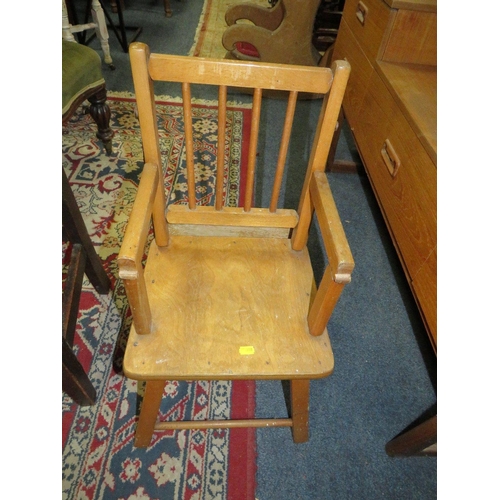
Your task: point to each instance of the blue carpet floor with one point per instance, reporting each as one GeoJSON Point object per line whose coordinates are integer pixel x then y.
{"type": "Point", "coordinates": [385, 370]}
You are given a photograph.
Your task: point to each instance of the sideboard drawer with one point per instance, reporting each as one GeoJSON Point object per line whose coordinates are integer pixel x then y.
{"type": "Point", "coordinates": [347, 48]}
{"type": "Point", "coordinates": [402, 173]}
{"type": "Point", "coordinates": [368, 20]}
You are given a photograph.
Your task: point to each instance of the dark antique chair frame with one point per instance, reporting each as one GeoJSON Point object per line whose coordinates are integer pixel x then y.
{"type": "Point", "coordinates": [84, 260]}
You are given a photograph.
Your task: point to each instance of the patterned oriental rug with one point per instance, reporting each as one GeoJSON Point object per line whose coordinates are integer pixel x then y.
{"type": "Point", "coordinates": [208, 38]}
{"type": "Point", "coordinates": [99, 460]}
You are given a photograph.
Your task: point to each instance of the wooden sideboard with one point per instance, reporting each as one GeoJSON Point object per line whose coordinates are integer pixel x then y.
{"type": "Point", "coordinates": [391, 107]}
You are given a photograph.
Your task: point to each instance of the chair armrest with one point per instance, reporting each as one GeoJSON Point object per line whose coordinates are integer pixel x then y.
{"type": "Point", "coordinates": [332, 231]}
{"type": "Point", "coordinates": [136, 233]}
{"type": "Point", "coordinates": [341, 263]}
{"type": "Point", "coordinates": [133, 246]}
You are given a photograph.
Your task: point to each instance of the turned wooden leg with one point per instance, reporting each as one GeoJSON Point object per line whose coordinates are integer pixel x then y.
{"type": "Point", "coordinates": [149, 412]}
{"type": "Point", "coordinates": [100, 112]}
{"type": "Point", "coordinates": [299, 392]}
{"type": "Point", "coordinates": [101, 30]}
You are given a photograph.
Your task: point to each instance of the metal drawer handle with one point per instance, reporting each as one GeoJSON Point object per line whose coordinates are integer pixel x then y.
{"type": "Point", "coordinates": [361, 12]}
{"type": "Point", "coordinates": [390, 157]}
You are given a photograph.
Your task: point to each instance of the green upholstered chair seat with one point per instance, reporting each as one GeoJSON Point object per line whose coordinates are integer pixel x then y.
{"type": "Point", "coordinates": [81, 71]}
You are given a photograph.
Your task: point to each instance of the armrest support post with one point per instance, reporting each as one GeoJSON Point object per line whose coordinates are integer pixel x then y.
{"type": "Point", "coordinates": [324, 303]}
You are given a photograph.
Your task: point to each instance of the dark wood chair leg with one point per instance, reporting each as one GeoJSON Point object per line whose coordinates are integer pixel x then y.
{"type": "Point", "coordinates": [149, 413]}
{"type": "Point", "coordinates": [75, 382]}
{"type": "Point", "coordinates": [299, 395]}
{"type": "Point", "coordinates": [100, 112]}
{"type": "Point", "coordinates": [420, 440]}
{"type": "Point", "coordinates": [76, 231]}
{"type": "Point", "coordinates": [84, 260]}
{"type": "Point", "coordinates": [72, 292]}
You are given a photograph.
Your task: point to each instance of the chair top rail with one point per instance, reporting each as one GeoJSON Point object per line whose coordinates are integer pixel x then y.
{"type": "Point", "coordinates": [198, 70]}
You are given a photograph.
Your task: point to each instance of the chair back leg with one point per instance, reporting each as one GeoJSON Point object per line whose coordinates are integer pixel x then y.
{"type": "Point", "coordinates": [299, 392]}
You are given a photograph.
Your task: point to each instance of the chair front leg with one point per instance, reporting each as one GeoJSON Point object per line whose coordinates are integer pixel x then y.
{"type": "Point", "coordinates": [149, 412]}
{"type": "Point", "coordinates": [101, 114]}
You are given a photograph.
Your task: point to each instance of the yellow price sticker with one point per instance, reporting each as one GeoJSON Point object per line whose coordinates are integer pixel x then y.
{"type": "Point", "coordinates": [246, 350]}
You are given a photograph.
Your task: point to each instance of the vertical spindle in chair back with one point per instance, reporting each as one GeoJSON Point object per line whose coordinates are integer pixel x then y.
{"type": "Point", "coordinates": [221, 142]}
{"type": "Point", "coordinates": [285, 141]}
{"type": "Point", "coordinates": [252, 152]}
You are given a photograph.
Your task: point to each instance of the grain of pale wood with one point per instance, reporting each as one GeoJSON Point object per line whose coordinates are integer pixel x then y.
{"type": "Point", "coordinates": [299, 392]}
{"type": "Point", "coordinates": [414, 89]}
{"type": "Point", "coordinates": [321, 147]}
{"type": "Point", "coordinates": [237, 306]}
{"type": "Point", "coordinates": [137, 296]}
{"type": "Point", "coordinates": [211, 296]}
{"type": "Point", "coordinates": [146, 108]}
{"type": "Point", "coordinates": [232, 216]}
{"type": "Point", "coordinates": [369, 35]}
{"type": "Point", "coordinates": [252, 149]}
{"type": "Point", "coordinates": [150, 406]}
{"type": "Point", "coordinates": [233, 231]}
{"type": "Point", "coordinates": [221, 143]}
{"type": "Point", "coordinates": [224, 424]}
{"type": "Point", "coordinates": [332, 231]}
{"type": "Point", "coordinates": [347, 48]}
{"type": "Point", "coordinates": [285, 141]}
{"type": "Point", "coordinates": [408, 200]}
{"type": "Point", "coordinates": [238, 73]}
{"type": "Point", "coordinates": [412, 39]}
{"type": "Point", "coordinates": [133, 247]}
{"type": "Point", "coordinates": [188, 136]}
{"type": "Point", "coordinates": [324, 302]}
{"type": "Point", "coordinates": [134, 240]}
{"type": "Point", "coordinates": [400, 106]}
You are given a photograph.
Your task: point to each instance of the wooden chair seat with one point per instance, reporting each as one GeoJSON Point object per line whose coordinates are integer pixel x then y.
{"type": "Point", "coordinates": [228, 308]}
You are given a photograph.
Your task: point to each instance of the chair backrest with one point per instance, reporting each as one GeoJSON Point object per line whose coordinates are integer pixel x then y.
{"type": "Point", "coordinates": [147, 68]}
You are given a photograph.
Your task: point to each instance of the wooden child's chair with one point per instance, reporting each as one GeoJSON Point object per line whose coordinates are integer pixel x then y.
{"type": "Point", "coordinates": [229, 293]}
